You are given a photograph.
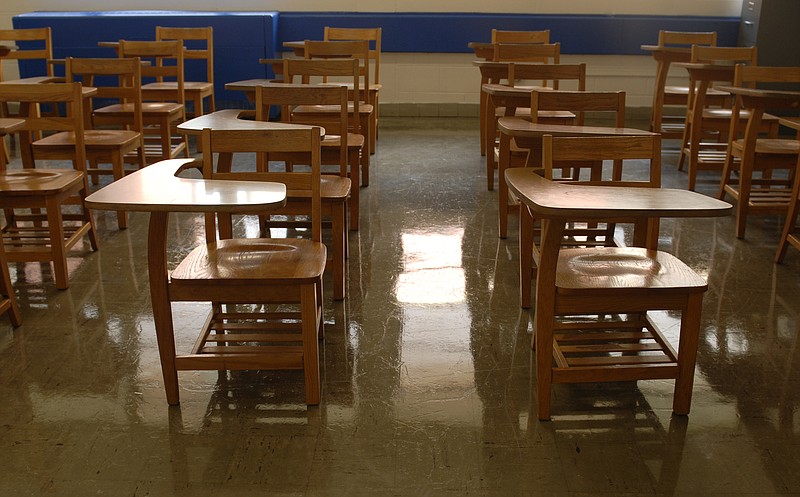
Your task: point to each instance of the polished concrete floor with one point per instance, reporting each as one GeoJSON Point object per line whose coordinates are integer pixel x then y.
{"type": "Point", "coordinates": [426, 367]}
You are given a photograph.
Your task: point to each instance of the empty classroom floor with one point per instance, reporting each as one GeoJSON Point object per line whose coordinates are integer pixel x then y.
{"type": "Point", "coordinates": [426, 366]}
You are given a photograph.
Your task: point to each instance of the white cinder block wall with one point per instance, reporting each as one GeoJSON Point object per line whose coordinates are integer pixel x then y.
{"type": "Point", "coordinates": [427, 78]}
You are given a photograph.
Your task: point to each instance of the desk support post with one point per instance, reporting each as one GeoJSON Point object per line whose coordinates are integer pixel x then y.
{"type": "Point", "coordinates": [552, 233]}
{"type": "Point", "coordinates": [159, 296]}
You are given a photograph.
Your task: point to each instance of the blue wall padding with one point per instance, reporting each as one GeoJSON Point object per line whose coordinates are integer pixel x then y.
{"type": "Point", "coordinates": [241, 38]}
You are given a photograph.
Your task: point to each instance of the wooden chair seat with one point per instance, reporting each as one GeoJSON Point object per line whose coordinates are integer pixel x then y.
{"type": "Point", "coordinates": [202, 87]}
{"type": "Point", "coordinates": [151, 111]}
{"type": "Point", "coordinates": [94, 138]}
{"type": "Point", "coordinates": [619, 281]}
{"type": "Point", "coordinates": [194, 91]}
{"type": "Point", "coordinates": [50, 241]}
{"type": "Point", "coordinates": [242, 261]}
{"type": "Point", "coordinates": [623, 269]}
{"type": "Point", "coordinates": [770, 146]}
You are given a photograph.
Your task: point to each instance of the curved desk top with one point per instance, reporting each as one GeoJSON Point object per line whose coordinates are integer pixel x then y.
{"type": "Point", "coordinates": [10, 124]}
{"type": "Point", "coordinates": [231, 119]}
{"type": "Point", "coordinates": [571, 201]}
{"type": "Point", "coordinates": [158, 188]}
{"type": "Point", "coordinates": [758, 98]}
{"type": "Point", "coordinates": [517, 127]}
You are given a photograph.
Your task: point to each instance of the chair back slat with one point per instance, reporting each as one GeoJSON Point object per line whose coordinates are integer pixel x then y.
{"type": "Point", "coordinates": [301, 140]}
{"type": "Point", "coordinates": [371, 35]}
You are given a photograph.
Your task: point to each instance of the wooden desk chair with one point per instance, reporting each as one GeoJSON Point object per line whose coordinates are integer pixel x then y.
{"type": "Point", "coordinates": [47, 236]}
{"type": "Point", "coordinates": [593, 305]}
{"type": "Point", "coordinates": [358, 50]}
{"type": "Point", "coordinates": [498, 72]}
{"type": "Point", "coordinates": [162, 108]}
{"type": "Point", "coordinates": [373, 36]}
{"type": "Point", "coordinates": [529, 151]}
{"type": "Point", "coordinates": [342, 146]}
{"type": "Point", "coordinates": [520, 75]}
{"type": "Point", "coordinates": [123, 86]}
{"type": "Point", "coordinates": [266, 294]}
{"type": "Point", "coordinates": [336, 189]}
{"type": "Point", "coordinates": [520, 37]}
{"type": "Point", "coordinates": [198, 43]}
{"type": "Point", "coordinates": [33, 45]}
{"type": "Point", "coordinates": [671, 96]}
{"type": "Point", "coordinates": [491, 73]}
{"type": "Point", "coordinates": [764, 193]}
{"type": "Point", "coordinates": [705, 135]}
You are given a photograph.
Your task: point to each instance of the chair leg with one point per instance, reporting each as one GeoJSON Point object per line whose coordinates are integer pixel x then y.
{"type": "Point", "coordinates": [791, 220]}
{"type": "Point", "coordinates": [355, 158]}
{"type": "Point", "coordinates": [162, 308]}
{"type": "Point", "coordinates": [309, 317]}
{"type": "Point", "coordinates": [118, 170]}
{"type": "Point", "coordinates": [55, 226]}
{"type": "Point", "coordinates": [14, 313]}
{"type": "Point", "coordinates": [339, 250]}
{"type": "Point", "coordinates": [687, 353]}
{"type": "Point", "coordinates": [525, 256]}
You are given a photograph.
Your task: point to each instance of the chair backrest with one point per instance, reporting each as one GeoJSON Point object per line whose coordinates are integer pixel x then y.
{"type": "Point", "coordinates": [358, 50]}
{"type": "Point", "coordinates": [552, 73]}
{"type": "Point", "coordinates": [371, 35]}
{"type": "Point", "coordinates": [31, 96]}
{"type": "Point", "coordinates": [301, 140]}
{"type": "Point", "coordinates": [319, 70]}
{"type": "Point", "coordinates": [544, 53]}
{"type": "Point", "coordinates": [686, 38]}
{"type": "Point", "coordinates": [32, 44]}
{"type": "Point", "coordinates": [118, 81]}
{"type": "Point", "coordinates": [580, 102]}
{"type": "Point", "coordinates": [499, 36]}
{"type": "Point", "coordinates": [198, 45]}
{"type": "Point", "coordinates": [164, 62]}
{"type": "Point", "coordinates": [729, 55]}
{"type": "Point", "coordinates": [287, 96]}
{"type": "Point", "coordinates": [557, 150]}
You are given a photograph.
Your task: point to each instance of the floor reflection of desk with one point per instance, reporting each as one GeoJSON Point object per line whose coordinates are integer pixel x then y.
{"type": "Point", "coordinates": [157, 189]}
{"type": "Point", "coordinates": [791, 234]}
{"type": "Point", "coordinates": [528, 135]}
